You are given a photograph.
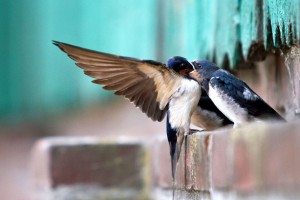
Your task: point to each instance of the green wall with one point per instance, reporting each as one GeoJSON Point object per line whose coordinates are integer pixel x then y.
{"type": "Point", "coordinates": [224, 30]}
{"type": "Point", "coordinates": [36, 78]}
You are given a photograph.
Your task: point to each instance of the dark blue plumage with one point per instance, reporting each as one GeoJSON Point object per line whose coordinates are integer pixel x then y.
{"type": "Point", "coordinates": [172, 139]}
{"type": "Point", "coordinates": [249, 100]}
{"type": "Point", "coordinates": [231, 95]}
{"type": "Point", "coordinates": [175, 134]}
{"type": "Point", "coordinates": [206, 115]}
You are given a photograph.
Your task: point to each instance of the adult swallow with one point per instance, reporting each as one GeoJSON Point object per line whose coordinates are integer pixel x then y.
{"type": "Point", "coordinates": [233, 97]}
{"type": "Point", "coordinates": [205, 116]}
{"type": "Point", "coordinates": [152, 86]}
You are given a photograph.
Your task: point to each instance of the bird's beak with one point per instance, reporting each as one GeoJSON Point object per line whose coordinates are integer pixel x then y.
{"type": "Point", "coordinates": [195, 75]}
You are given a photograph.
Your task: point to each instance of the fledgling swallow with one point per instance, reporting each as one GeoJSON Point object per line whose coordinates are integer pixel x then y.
{"type": "Point", "coordinates": [207, 116]}
{"type": "Point", "coordinates": [233, 97]}
{"type": "Point", "coordinates": [152, 86]}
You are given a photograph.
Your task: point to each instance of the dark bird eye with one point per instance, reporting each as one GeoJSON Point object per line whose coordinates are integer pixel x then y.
{"type": "Point", "coordinates": [182, 65]}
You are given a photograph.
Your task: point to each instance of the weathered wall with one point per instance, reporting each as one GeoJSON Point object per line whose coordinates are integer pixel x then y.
{"type": "Point", "coordinates": [276, 80]}
{"type": "Point", "coordinates": [230, 32]}
{"type": "Point", "coordinates": [35, 77]}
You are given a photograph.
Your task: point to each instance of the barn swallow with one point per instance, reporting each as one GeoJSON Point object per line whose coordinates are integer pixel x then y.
{"type": "Point", "coordinates": [205, 116]}
{"type": "Point", "coordinates": [152, 86]}
{"type": "Point", "coordinates": [233, 97]}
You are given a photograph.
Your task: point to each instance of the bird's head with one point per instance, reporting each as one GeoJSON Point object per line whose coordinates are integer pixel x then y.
{"type": "Point", "coordinates": [203, 70]}
{"type": "Point", "coordinates": [180, 65]}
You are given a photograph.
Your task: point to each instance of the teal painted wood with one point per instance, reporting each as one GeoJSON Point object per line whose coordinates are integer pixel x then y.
{"type": "Point", "coordinates": [36, 78]}
{"type": "Point", "coordinates": [4, 90]}
{"type": "Point", "coordinates": [228, 31]}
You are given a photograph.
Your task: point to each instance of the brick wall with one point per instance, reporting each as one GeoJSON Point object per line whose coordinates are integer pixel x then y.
{"type": "Point", "coordinates": [258, 160]}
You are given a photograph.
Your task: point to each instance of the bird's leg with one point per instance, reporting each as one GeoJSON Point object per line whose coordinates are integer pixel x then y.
{"type": "Point", "coordinates": [192, 131]}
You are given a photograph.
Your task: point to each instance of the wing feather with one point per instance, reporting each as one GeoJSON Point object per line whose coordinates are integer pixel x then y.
{"type": "Point", "coordinates": [148, 84]}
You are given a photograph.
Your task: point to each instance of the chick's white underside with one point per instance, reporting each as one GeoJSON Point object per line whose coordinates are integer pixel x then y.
{"type": "Point", "coordinates": [182, 104]}
{"type": "Point", "coordinates": [228, 106]}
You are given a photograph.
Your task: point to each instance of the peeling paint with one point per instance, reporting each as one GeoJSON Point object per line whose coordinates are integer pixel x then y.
{"type": "Point", "coordinates": [212, 29]}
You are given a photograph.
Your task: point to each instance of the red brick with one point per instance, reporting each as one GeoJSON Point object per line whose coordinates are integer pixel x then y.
{"type": "Point", "coordinates": [220, 156]}
{"type": "Point", "coordinates": [282, 160]}
{"type": "Point", "coordinates": [161, 163]}
{"type": "Point", "coordinates": [248, 146]}
{"type": "Point", "coordinates": [73, 161]}
{"type": "Point", "coordinates": [243, 176]}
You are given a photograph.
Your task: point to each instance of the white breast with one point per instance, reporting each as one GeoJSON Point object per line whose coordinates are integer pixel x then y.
{"type": "Point", "coordinates": [228, 106]}
{"type": "Point", "coordinates": [183, 103]}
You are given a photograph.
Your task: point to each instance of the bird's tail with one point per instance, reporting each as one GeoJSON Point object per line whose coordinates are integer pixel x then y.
{"type": "Point", "coordinates": [175, 149]}
{"type": "Point", "coordinates": [172, 139]}
{"type": "Point", "coordinates": [173, 154]}
{"type": "Point", "coordinates": [175, 138]}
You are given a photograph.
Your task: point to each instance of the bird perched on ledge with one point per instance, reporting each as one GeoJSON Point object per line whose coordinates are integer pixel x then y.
{"type": "Point", "coordinates": [206, 116]}
{"type": "Point", "coordinates": [234, 98]}
{"type": "Point", "coordinates": [157, 89]}
{"type": "Point", "coordinates": [150, 85]}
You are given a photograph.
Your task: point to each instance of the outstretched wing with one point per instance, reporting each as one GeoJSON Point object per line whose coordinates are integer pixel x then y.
{"type": "Point", "coordinates": [240, 92]}
{"type": "Point", "coordinates": [148, 84]}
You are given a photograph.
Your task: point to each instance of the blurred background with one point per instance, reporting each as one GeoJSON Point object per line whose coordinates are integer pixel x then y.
{"type": "Point", "coordinates": [42, 92]}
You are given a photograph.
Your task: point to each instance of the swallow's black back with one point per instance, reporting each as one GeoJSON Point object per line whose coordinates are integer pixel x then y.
{"type": "Point", "coordinates": [235, 88]}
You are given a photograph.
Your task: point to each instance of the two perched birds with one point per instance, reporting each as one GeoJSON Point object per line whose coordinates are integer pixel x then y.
{"type": "Point", "coordinates": [197, 92]}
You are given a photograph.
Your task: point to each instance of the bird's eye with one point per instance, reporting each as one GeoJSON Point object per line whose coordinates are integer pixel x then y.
{"type": "Point", "coordinates": [182, 65]}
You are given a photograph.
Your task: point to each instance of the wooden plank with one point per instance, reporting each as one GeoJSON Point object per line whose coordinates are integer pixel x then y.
{"type": "Point", "coordinates": [229, 31]}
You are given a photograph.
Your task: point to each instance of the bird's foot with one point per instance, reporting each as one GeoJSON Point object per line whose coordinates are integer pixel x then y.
{"type": "Point", "coordinates": [192, 131]}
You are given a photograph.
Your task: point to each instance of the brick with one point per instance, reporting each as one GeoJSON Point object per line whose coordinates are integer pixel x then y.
{"type": "Point", "coordinates": [254, 160]}
{"type": "Point", "coordinates": [89, 161]}
{"type": "Point", "coordinates": [220, 157]}
{"type": "Point", "coordinates": [257, 157]}
{"type": "Point", "coordinates": [282, 160]}
{"type": "Point", "coordinates": [161, 163]}
{"type": "Point", "coordinates": [243, 179]}
{"type": "Point", "coordinates": [248, 146]}
{"type": "Point", "coordinates": [251, 159]}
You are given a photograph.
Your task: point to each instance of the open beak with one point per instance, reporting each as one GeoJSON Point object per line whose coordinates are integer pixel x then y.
{"type": "Point", "coordinates": [195, 75]}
